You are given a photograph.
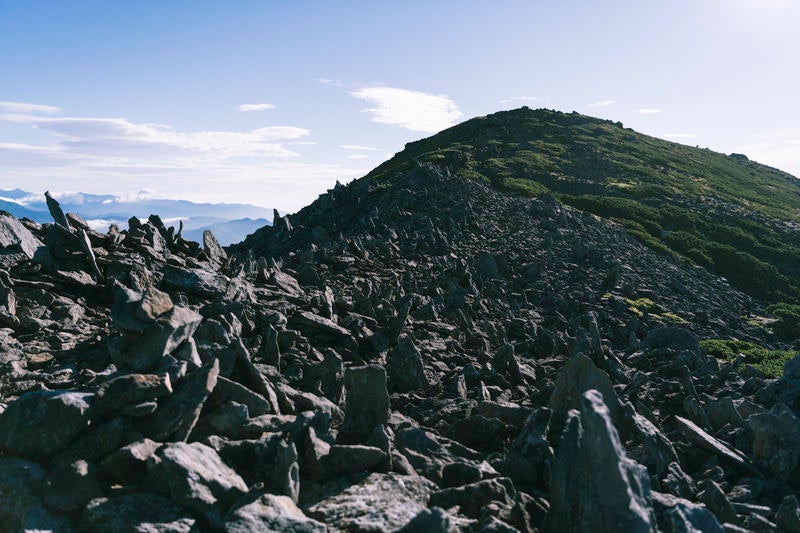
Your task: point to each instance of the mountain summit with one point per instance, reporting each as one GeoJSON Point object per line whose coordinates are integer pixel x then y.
{"type": "Point", "coordinates": [496, 330]}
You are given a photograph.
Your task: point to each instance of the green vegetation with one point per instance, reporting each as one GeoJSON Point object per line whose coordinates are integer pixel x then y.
{"type": "Point", "coordinates": [770, 362]}
{"type": "Point", "coordinates": [725, 213]}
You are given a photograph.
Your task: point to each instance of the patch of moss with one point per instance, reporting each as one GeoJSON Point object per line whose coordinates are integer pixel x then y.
{"type": "Point", "coordinates": [770, 362]}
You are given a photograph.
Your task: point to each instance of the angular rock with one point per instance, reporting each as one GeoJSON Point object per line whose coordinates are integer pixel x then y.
{"type": "Point", "coordinates": [136, 513]}
{"type": "Point", "coordinates": [381, 502]}
{"type": "Point", "coordinates": [128, 465]}
{"type": "Point", "coordinates": [195, 478]}
{"type": "Point", "coordinates": [404, 367]}
{"type": "Point", "coordinates": [72, 486]}
{"type": "Point", "coordinates": [21, 509]}
{"type": "Point", "coordinates": [213, 250]}
{"type": "Point", "coordinates": [40, 423]}
{"type": "Point", "coordinates": [154, 304]}
{"type": "Point", "coordinates": [593, 484]}
{"type": "Point", "coordinates": [177, 415]}
{"type": "Point", "coordinates": [473, 498]}
{"type": "Point", "coordinates": [776, 442]}
{"type": "Point", "coordinates": [367, 403]}
{"type": "Point", "coordinates": [578, 376]}
{"type": "Point", "coordinates": [700, 438]}
{"type": "Point", "coordinates": [130, 389]}
{"type": "Point", "coordinates": [351, 459]}
{"type": "Point", "coordinates": [269, 512]}
{"type": "Point", "coordinates": [676, 515]}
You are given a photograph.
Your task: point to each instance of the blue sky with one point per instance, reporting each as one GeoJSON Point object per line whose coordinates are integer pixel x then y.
{"type": "Point", "coordinates": [270, 103]}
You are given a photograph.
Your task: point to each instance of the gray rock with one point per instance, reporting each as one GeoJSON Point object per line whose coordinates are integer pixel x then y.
{"type": "Point", "coordinates": [128, 465]}
{"type": "Point", "coordinates": [177, 415]}
{"type": "Point", "coordinates": [776, 442]}
{"type": "Point", "coordinates": [14, 237]}
{"type": "Point", "coordinates": [351, 459]}
{"type": "Point", "coordinates": [130, 389]}
{"type": "Point", "coordinates": [528, 460]}
{"type": "Point", "coordinates": [672, 337]}
{"type": "Point", "coordinates": [404, 367]}
{"type": "Point", "coordinates": [21, 483]}
{"type": "Point", "coordinates": [72, 486]}
{"type": "Point", "coordinates": [162, 337]}
{"type": "Point", "coordinates": [594, 486]}
{"type": "Point", "coordinates": [578, 376]}
{"type": "Point", "coordinates": [367, 403]}
{"type": "Point", "coordinates": [154, 304]}
{"type": "Point", "coordinates": [676, 515]}
{"type": "Point", "coordinates": [196, 478]}
{"type": "Point", "coordinates": [270, 512]}
{"type": "Point", "coordinates": [788, 515]}
{"type": "Point", "coordinates": [700, 438]}
{"type": "Point", "coordinates": [434, 520]}
{"type": "Point", "coordinates": [269, 460]}
{"type": "Point", "coordinates": [472, 499]}
{"type": "Point", "coordinates": [41, 423]}
{"type": "Point", "coordinates": [56, 212]}
{"type": "Point", "coordinates": [136, 513]}
{"type": "Point", "coordinates": [212, 248]}
{"type": "Point", "coordinates": [381, 502]}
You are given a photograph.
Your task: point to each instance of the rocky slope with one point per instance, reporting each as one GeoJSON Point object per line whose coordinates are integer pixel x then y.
{"type": "Point", "coordinates": [417, 353]}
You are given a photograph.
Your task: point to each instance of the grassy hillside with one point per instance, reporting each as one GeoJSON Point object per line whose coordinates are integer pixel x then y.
{"type": "Point", "coordinates": [734, 216]}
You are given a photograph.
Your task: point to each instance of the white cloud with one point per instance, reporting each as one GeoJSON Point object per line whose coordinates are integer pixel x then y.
{"type": "Point", "coordinates": [514, 99]}
{"type": "Point", "coordinates": [603, 103]}
{"type": "Point", "coordinates": [413, 110]}
{"type": "Point", "coordinates": [256, 107]}
{"type": "Point", "coordinates": [19, 107]}
{"type": "Point", "coordinates": [649, 111]}
{"type": "Point", "coordinates": [359, 147]}
{"type": "Point", "coordinates": [120, 137]}
{"type": "Point", "coordinates": [679, 135]}
{"type": "Point", "coordinates": [358, 156]}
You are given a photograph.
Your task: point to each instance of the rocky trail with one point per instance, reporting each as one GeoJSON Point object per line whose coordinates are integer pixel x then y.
{"type": "Point", "coordinates": [422, 355]}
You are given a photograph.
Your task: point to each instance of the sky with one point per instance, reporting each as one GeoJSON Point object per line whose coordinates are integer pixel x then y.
{"type": "Point", "coordinates": [270, 103]}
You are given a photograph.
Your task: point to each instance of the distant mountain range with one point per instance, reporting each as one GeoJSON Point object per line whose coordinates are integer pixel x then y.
{"type": "Point", "coordinates": [230, 223]}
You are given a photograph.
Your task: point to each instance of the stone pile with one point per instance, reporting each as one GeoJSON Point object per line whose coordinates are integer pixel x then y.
{"type": "Point", "coordinates": [424, 355]}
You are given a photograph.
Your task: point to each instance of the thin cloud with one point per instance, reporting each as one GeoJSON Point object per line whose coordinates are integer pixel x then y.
{"type": "Point", "coordinates": [358, 156]}
{"type": "Point", "coordinates": [649, 111]}
{"type": "Point", "coordinates": [359, 147]}
{"type": "Point", "coordinates": [118, 136]}
{"type": "Point", "coordinates": [514, 99]}
{"type": "Point", "coordinates": [603, 103]}
{"type": "Point", "coordinates": [412, 110]}
{"type": "Point", "coordinates": [680, 135]}
{"type": "Point", "coordinates": [256, 107]}
{"type": "Point", "coordinates": [20, 107]}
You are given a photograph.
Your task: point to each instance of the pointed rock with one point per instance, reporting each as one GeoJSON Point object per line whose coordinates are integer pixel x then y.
{"type": "Point", "coordinates": [594, 486]}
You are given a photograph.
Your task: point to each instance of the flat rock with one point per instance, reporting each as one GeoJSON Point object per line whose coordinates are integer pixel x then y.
{"type": "Point", "coordinates": [367, 403]}
{"type": "Point", "coordinates": [380, 502]}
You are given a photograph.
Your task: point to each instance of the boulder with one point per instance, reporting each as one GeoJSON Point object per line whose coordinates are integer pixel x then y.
{"type": "Point", "coordinates": [594, 486]}
{"type": "Point", "coordinates": [177, 415]}
{"type": "Point", "coordinates": [136, 513]}
{"type": "Point", "coordinates": [270, 512]}
{"type": "Point", "coordinates": [194, 477]}
{"type": "Point", "coordinates": [367, 403]}
{"type": "Point", "coordinates": [776, 442]}
{"type": "Point", "coordinates": [380, 502]}
{"type": "Point", "coordinates": [40, 423]}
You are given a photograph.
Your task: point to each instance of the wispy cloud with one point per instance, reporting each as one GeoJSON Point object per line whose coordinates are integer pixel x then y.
{"type": "Point", "coordinates": [256, 107]}
{"type": "Point", "coordinates": [649, 111]}
{"type": "Point", "coordinates": [121, 137]}
{"type": "Point", "coordinates": [515, 99]}
{"type": "Point", "coordinates": [358, 156]}
{"type": "Point", "coordinates": [680, 135]}
{"type": "Point", "coordinates": [412, 110]}
{"type": "Point", "coordinates": [359, 147]}
{"type": "Point", "coordinates": [19, 107]}
{"type": "Point", "coordinates": [602, 103]}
